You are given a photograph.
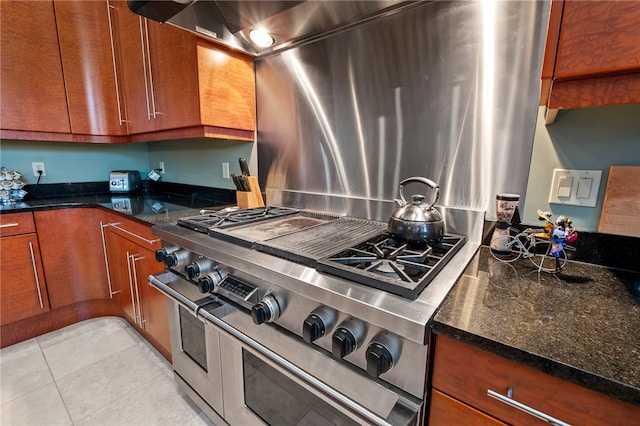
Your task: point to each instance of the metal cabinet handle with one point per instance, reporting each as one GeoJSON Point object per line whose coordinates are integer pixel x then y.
{"type": "Point", "coordinates": [144, 66]}
{"type": "Point", "coordinates": [115, 225]}
{"type": "Point", "coordinates": [9, 225]}
{"type": "Point", "coordinates": [133, 297]}
{"type": "Point", "coordinates": [134, 258]}
{"type": "Point", "coordinates": [151, 86]}
{"type": "Point", "coordinates": [106, 260]}
{"type": "Point", "coordinates": [113, 60]}
{"type": "Point", "coordinates": [35, 274]}
{"type": "Point", "coordinates": [522, 407]}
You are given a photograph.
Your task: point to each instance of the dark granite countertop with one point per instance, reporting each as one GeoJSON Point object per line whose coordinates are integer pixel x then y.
{"type": "Point", "coordinates": [582, 326]}
{"type": "Point", "coordinates": [151, 207]}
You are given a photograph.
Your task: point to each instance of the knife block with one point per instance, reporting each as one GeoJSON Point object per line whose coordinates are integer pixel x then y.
{"type": "Point", "coordinates": [250, 199]}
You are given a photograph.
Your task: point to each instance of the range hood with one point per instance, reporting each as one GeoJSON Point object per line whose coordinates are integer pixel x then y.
{"type": "Point", "coordinates": [290, 22]}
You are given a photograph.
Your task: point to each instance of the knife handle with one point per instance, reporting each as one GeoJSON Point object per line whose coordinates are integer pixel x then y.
{"type": "Point", "coordinates": [244, 167]}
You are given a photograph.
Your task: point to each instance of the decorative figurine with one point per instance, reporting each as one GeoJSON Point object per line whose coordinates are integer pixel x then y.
{"type": "Point", "coordinates": [562, 234]}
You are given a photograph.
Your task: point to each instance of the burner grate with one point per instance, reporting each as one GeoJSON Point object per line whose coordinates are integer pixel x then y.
{"type": "Point", "coordinates": [225, 219]}
{"type": "Point", "coordinates": [391, 265]}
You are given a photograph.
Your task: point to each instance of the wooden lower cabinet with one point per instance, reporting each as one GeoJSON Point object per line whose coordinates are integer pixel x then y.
{"type": "Point", "coordinates": [131, 259]}
{"type": "Point", "coordinates": [446, 411]}
{"type": "Point", "coordinates": [23, 291]}
{"type": "Point", "coordinates": [466, 374]}
{"type": "Point", "coordinates": [72, 255]}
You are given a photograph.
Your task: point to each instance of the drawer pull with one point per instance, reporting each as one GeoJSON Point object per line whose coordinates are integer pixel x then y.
{"type": "Point", "coordinates": [522, 407]}
{"type": "Point", "coordinates": [115, 225]}
{"type": "Point", "coordinates": [9, 225]}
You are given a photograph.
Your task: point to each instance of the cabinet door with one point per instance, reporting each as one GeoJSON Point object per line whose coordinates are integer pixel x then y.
{"type": "Point", "coordinates": [87, 48]}
{"type": "Point", "coordinates": [598, 37]}
{"type": "Point", "coordinates": [227, 87]}
{"type": "Point", "coordinates": [23, 292]}
{"type": "Point", "coordinates": [119, 251]}
{"type": "Point", "coordinates": [132, 56]}
{"type": "Point", "coordinates": [444, 410]}
{"type": "Point", "coordinates": [154, 313]}
{"type": "Point", "coordinates": [174, 76]}
{"type": "Point", "coordinates": [32, 86]}
{"type": "Point", "coordinates": [72, 255]}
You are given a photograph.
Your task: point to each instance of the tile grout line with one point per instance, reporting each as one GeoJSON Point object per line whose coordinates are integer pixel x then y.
{"type": "Point", "coordinates": [55, 382]}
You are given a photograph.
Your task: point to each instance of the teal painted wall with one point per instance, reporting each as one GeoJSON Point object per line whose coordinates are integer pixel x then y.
{"type": "Point", "coordinates": [72, 162]}
{"type": "Point", "coordinates": [590, 139]}
{"type": "Point", "coordinates": [194, 161]}
{"type": "Point", "coordinates": [199, 161]}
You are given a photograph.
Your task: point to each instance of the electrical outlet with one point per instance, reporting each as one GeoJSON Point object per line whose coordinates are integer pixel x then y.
{"type": "Point", "coordinates": [38, 166]}
{"type": "Point", "coordinates": [161, 168]}
{"type": "Point", "coordinates": [225, 170]}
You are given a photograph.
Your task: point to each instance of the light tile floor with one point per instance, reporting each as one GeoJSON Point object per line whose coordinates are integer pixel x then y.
{"type": "Point", "coordinates": [96, 372]}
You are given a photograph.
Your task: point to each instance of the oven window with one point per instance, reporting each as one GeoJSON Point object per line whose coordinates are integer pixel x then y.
{"type": "Point", "coordinates": [278, 400]}
{"type": "Point", "coordinates": [192, 336]}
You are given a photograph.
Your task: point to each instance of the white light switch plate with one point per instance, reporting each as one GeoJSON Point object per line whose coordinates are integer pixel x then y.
{"type": "Point", "coordinates": [575, 187]}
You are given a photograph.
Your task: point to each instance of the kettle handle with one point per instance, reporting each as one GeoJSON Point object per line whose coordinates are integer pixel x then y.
{"type": "Point", "coordinates": [431, 184]}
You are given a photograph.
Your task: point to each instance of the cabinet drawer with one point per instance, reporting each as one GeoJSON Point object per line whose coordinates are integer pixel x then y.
{"type": "Point", "coordinates": [446, 411]}
{"type": "Point", "coordinates": [133, 231]}
{"type": "Point", "coordinates": [467, 374]}
{"type": "Point", "coordinates": [16, 224]}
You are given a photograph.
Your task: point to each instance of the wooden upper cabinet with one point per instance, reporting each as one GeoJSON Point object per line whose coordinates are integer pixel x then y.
{"type": "Point", "coordinates": [32, 86]}
{"type": "Point", "coordinates": [598, 37]}
{"type": "Point", "coordinates": [172, 69]}
{"type": "Point", "coordinates": [592, 55]}
{"type": "Point", "coordinates": [88, 47]}
{"type": "Point", "coordinates": [227, 87]}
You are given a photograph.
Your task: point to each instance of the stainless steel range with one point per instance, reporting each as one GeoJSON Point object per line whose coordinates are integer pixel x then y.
{"type": "Point", "coordinates": [287, 316]}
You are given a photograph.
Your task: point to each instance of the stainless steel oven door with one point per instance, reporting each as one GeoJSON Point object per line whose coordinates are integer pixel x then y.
{"type": "Point", "coordinates": [278, 379]}
{"type": "Point", "coordinates": [195, 343]}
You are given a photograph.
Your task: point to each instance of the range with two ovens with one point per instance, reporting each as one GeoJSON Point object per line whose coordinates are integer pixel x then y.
{"type": "Point", "coordinates": [287, 316]}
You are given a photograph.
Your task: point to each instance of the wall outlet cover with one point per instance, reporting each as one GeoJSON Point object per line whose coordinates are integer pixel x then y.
{"type": "Point", "coordinates": [575, 187]}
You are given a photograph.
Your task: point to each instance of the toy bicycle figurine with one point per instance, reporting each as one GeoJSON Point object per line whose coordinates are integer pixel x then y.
{"type": "Point", "coordinates": [545, 247]}
{"type": "Point", "coordinates": [562, 234]}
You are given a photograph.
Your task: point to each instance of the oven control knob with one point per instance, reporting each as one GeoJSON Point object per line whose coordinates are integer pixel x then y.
{"type": "Point", "coordinates": [382, 354]}
{"type": "Point", "coordinates": [318, 323]}
{"type": "Point", "coordinates": [267, 310]}
{"type": "Point", "coordinates": [177, 258]}
{"type": "Point", "coordinates": [209, 282]}
{"type": "Point", "coordinates": [199, 268]}
{"type": "Point", "coordinates": [161, 253]}
{"type": "Point", "coordinates": [347, 338]}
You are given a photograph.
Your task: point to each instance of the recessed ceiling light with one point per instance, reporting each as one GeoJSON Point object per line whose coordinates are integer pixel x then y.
{"type": "Point", "coordinates": [261, 38]}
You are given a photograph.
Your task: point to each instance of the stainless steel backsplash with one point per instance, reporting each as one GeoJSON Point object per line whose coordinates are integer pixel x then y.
{"type": "Point", "coordinates": [447, 90]}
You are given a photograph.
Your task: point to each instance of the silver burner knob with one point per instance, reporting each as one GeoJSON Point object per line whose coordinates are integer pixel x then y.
{"type": "Point", "coordinates": [200, 267]}
{"type": "Point", "coordinates": [382, 354]}
{"type": "Point", "coordinates": [347, 338]}
{"type": "Point", "coordinates": [267, 310]}
{"type": "Point", "coordinates": [209, 282]}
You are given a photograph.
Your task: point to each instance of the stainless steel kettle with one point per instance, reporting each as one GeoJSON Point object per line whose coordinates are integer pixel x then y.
{"type": "Point", "coordinates": [417, 222]}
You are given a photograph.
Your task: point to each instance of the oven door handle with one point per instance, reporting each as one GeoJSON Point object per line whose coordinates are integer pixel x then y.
{"type": "Point", "coordinates": [177, 296]}
{"type": "Point", "coordinates": [297, 372]}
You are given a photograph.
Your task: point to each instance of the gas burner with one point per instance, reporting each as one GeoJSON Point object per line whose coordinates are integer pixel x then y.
{"type": "Point", "coordinates": [392, 265]}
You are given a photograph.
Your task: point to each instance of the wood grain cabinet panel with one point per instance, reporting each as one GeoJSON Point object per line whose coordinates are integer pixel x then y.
{"type": "Point", "coordinates": [598, 37]}
{"type": "Point", "coordinates": [16, 224]}
{"type": "Point", "coordinates": [227, 87]}
{"type": "Point", "coordinates": [131, 258]}
{"type": "Point", "coordinates": [592, 54]}
{"type": "Point", "coordinates": [23, 290]}
{"type": "Point", "coordinates": [446, 411]}
{"type": "Point", "coordinates": [86, 33]}
{"type": "Point", "coordinates": [467, 374]}
{"type": "Point", "coordinates": [32, 86]}
{"type": "Point", "coordinates": [72, 255]}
